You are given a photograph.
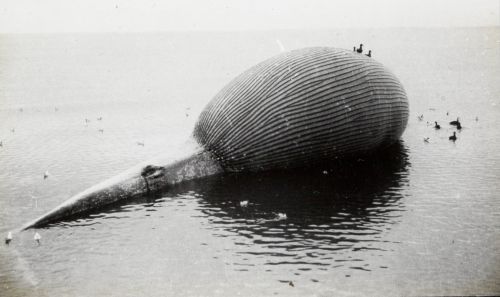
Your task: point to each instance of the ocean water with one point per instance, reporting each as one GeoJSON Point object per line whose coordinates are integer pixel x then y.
{"type": "Point", "coordinates": [420, 219]}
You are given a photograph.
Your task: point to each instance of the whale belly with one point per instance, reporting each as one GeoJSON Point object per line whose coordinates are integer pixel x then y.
{"type": "Point", "coordinates": [303, 107]}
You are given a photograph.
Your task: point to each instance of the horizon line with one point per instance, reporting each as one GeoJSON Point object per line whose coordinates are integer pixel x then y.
{"type": "Point", "coordinates": [242, 30]}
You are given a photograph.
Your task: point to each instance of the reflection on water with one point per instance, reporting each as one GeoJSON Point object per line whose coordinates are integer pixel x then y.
{"type": "Point", "coordinates": [344, 207]}
{"type": "Point", "coordinates": [310, 218]}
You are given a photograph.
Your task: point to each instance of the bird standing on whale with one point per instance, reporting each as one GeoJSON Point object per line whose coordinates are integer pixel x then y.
{"type": "Point", "coordinates": [295, 109]}
{"type": "Point", "coordinates": [360, 49]}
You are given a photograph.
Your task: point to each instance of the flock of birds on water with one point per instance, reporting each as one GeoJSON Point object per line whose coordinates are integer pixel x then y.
{"type": "Point", "coordinates": [37, 237]}
{"type": "Point", "coordinates": [86, 120]}
{"type": "Point", "coordinates": [457, 124]}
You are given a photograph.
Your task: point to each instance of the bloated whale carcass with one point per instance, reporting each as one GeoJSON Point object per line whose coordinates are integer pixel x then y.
{"type": "Point", "coordinates": [295, 109]}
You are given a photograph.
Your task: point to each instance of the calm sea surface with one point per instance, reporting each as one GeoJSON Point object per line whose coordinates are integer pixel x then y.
{"type": "Point", "coordinates": [421, 219]}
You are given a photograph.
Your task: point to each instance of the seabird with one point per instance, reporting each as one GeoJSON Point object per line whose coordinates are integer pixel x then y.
{"type": "Point", "coordinates": [46, 174]}
{"type": "Point", "coordinates": [244, 203]}
{"type": "Point", "coordinates": [140, 143]}
{"type": "Point", "coordinates": [37, 238]}
{"type": "Point", "coordinates": [369, 53]}
{"type": "Point", "coordinates": [8, 239]}
{"type": "Point", "coordinates": [360, 49]}
{"type": "Point", "coordinates": [420, 117]}
{"type": "Point", "coordinates": [282, 216]}
{"type": "Point", "coordinates": [436, 126]}
{"type": "Point", "coordinates": [453, 137]}
{"type": "Point", "coordinates": [101, 130]}
{"type": "Point", "coordinates": [426, 139]}
{"type": "Point", "coordinates": [455, 123]}
{"type": "Point", "coordinates": [459, 126]}
{"type": "Point", "coordinates": [353, 48]}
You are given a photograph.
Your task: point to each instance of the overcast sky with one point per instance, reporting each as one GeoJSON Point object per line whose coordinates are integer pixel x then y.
{"type": "Point", "coordinates": [128, 16]}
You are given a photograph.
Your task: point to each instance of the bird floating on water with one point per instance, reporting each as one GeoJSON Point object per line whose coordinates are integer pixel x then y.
{"type": "Point", "coordinates": [101, 130]}
{"type": "Point", "coordinates": [455, 123]}
{"type": "Point", "coordinates": [360, 49]}
{"type": "Point", "coordinates": [453, 137]}
{"type": "Point", "coordinates": [37, 238]}
{"type": "Point", "coordinates": [140, 143]}
{"type": "Point", "coordinates": [281, 216]}
{"type": "Point", "coordinates": [46, 174]}
{"type": "Point", "coordinates": [99, 118]}
{"type": "Point", "coordinates": [291, 284]}
{"type": "Point", "coordinates": [1, 143]}
{"type": "Point", "coordinates": [353, 48]}
{"type": "Point", "coordinates": [8, 239]}
{"type": "Point", "coordinates": [244, 203]}
{"type": "Point", "coordinates": [459, 126]}
{"type": "Point", "coordinates": [436, 126]}
{"type": "Point", "coordinates": [369, 53]}
{"type": "Point", "coordinates": [420, 117]}
{"type": "Point", "coordinates": [477, 119]}
{"type": "Point", "coordinates": [426, 139]}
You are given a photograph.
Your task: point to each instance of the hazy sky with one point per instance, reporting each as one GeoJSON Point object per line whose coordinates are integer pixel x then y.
{"type": "Point", "coordinates": [126, 15]}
